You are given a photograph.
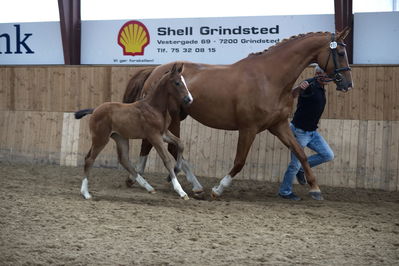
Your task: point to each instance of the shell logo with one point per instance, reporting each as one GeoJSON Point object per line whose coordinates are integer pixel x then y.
{"type": "Point", "coordinates": [133, 37]}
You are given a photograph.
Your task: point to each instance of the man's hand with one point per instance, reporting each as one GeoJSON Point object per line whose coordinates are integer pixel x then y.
{"type": "Point", "coordinates": [302, 86]}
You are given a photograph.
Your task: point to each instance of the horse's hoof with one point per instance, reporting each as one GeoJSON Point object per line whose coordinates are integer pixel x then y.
{"type": "Point", "coordinates": [86, 197]}
{"type": "Point", "coordinates": [199, 195]}
{"type": "Point", "coordinates": [185, 197]}
{"type": "Point", "coordinates": [316, 195]}
{"type": "Point", "coordinates": [214, 196]}
{"type": "Point", "coordinates": [152, 191]}
{"type": "Point", "coordinates": [129, 182]}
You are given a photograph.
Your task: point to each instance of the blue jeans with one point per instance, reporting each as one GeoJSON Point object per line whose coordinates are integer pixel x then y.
{"type": "Point", "coordinates": [312, 140]}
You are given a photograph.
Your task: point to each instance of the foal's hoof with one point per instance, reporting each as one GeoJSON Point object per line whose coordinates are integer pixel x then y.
{"type": "Point", "coordinates": [152, 191]}
{"type": "Point", "coordinates": [129, 182]}
{"type": "Point", "coordinates": [199, 195]}
{"type": "Point", "coordinates": [185, 197]}
{"type": "Point", "coordinates": [316, 195]}
{"type": "Point", "coordinates": [86, 196]}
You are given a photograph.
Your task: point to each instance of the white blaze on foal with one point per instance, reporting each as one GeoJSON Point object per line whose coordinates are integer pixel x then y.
{"type": "Point", "coordinates": [185, 85]}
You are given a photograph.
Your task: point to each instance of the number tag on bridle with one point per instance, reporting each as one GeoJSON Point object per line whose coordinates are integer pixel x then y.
{"type": "Point", "coordinates": [333, 45]}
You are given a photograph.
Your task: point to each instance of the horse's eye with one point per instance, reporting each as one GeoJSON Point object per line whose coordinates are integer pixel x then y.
{"type": "Point", "coordinates": [177, 83]}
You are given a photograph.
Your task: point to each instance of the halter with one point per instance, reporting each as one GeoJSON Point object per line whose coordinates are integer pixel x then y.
{"type": "Point", "coordinates": [333, 50]}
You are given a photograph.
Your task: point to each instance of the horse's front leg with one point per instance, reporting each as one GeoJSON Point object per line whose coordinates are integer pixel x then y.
{"type": "Point", "coordinates": [168, 160]}
{"type": "Point", "coordinates": [174, 128]}
{"type": "Point", "coordinates": [284, 133]}
{"type": "Point", "coordinates": [245, 140]}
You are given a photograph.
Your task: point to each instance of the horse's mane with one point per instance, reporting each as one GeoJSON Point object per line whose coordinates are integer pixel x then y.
{"type": "Point", "coordinates": [288, 40]}
{"type": "Point", "coordinates": [135, 85]}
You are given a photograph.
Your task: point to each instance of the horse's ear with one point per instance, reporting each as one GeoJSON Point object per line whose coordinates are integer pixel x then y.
{"type": "Point", "coordinates": [173, 70]}
{"type": "Point", "coordinates": [180, 69]}
{"type": "Point", "coordinates": [342, 35]}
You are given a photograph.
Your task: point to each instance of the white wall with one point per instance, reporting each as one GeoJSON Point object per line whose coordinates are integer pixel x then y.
{"type": "Point", "coordinates": [376, 38]}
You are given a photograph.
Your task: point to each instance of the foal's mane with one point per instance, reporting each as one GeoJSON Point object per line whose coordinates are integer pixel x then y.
{"type": "Point", "coordinates": [288, 40]}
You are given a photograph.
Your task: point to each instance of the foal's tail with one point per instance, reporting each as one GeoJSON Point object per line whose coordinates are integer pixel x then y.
{"type": "Point", "coordinates": [81, 113]}
{"type": "Point", "coordinates": [135, 85]}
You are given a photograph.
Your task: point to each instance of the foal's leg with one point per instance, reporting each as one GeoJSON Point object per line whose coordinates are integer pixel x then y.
{"type": "Point", "coordinates": [146, 147]}
{"type": "Point", "coordinates": [97, 146]}
{"type": "Point", "coordinates": [284, 133]}
{"type": "Point", "coordinates": [183, 164]}
{"type": "Point", "coordinates": [168, 161]}
{"type": "Point", "coordinates": [122, 146]}
{"type": "Point", "coordinates": [174, 128]}
{"type": "Point", "coordinates": [245, 140]}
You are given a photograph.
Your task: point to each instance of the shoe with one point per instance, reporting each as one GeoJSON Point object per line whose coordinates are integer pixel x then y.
{"type": "Point", "coordinates": [300, 177]}
{"type": "Point", "coordinates": [290, 196]}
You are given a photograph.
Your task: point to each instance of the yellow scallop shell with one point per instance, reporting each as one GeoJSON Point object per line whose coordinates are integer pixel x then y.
{"type": "Point", "coordinates": [133, 37]}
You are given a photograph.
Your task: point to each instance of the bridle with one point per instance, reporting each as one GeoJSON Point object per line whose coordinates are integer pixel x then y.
{"type": "Point", "coordinates": [337, 76]}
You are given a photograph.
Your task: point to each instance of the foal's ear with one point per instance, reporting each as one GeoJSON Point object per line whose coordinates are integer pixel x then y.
{"type": "Point", "coordinates": [342, 35]}
{"type": "Point", "coordinates": [180, 69]}
{"type": "Point", "coordinates": [173, 70]}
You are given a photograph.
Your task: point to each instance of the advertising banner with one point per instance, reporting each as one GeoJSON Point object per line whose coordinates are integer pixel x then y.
{"type": "Point", "coordinates": [203, 40]}
{"type": "Point", "coordinates": [31, 43]}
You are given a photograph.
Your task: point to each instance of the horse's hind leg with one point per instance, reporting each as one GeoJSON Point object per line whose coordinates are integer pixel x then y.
{"type": "Point", "coordinates": [245, 140]}
{"type": "Point", "coordinates": [122, 146]}
{"type": "Point", "coordinates": [96, 147]}
{"type": "Point", "coordinates": [183, 164]}
{"type": "Point", "coordinates": [146, 147]}
{"type": "Point", "coordinates": [168, 161]}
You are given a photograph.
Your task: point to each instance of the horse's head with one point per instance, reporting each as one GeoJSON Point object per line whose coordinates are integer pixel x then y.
{"type": "Point", "coordinates": [334, 61]}
{"type": "Point", "coordinates": [176, 86]}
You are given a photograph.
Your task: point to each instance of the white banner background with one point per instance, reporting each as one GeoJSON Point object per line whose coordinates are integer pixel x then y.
{"type": "Point", "coordinates": [43, 42]}
{"type": "Point", "coordinates": [100, 43]}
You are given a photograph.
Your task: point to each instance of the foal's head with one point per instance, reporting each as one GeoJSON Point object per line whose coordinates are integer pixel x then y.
{"type": "Point", "coordinates": [173, 81]}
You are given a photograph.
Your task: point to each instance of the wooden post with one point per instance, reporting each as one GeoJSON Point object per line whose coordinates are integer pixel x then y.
{"type": "Point", "coordinates": [343, 18]}
{"type": "Point", "coordinates": [70, 23]}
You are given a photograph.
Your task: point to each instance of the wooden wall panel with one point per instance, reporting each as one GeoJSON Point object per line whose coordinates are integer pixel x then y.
{"type": "Point", "coordinates": [30, 136]}
{"type": "Point", "coordinates": [362, 126]}
{"type": "Point", "coordinates": [67, 88]}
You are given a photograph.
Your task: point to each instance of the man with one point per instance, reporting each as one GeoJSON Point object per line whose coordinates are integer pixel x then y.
{"type": "Point", "coordinates": [311, 103]}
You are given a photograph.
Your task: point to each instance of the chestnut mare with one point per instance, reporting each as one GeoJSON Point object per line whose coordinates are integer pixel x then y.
{"type": "Point", "coordinates": [145, 119]}
{"type": "Point", "coordinates": [253, 94]}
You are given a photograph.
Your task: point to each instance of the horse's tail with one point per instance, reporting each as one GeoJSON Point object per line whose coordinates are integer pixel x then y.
{"type": "Point", "coordinates": [136, 83]}
{"type": "Point", "coordinates": [81, 113]}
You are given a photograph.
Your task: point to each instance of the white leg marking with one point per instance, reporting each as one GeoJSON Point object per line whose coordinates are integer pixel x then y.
{"type": "Point", "coordinates": [84, 189]}
{"type": "Point", "coordinates": [197, 187]}
{"type": "Point", "coordinates": [224, 183]}
{"type": "Point", "coordinates": [144, 183]}
{"type": "Point", "coordinates": [177, 187]}
{"type": "Point", "coordinates": [140, 167]}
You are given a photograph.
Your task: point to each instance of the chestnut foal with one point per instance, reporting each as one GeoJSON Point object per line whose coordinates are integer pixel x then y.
{"type": "Point", "coordinates": [148, 119]}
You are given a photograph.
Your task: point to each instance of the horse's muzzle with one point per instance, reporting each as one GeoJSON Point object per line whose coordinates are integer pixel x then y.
{"type": "Point", "coordinates": [344, 88]}
{"type": "Point", "coordinates": [188, 99]}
